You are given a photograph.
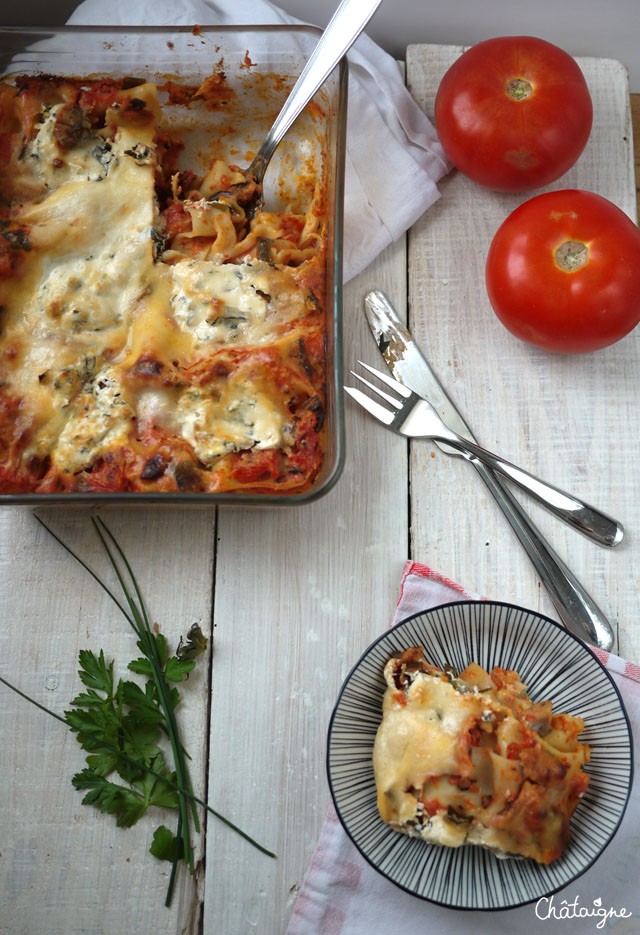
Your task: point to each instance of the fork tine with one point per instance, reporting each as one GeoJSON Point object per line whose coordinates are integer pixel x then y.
{"type": "Point", "coordinates": [376, 389]}
{"type": "Point", "coordinates": [382, 414]}
{"type": "Point", "coordinates": [398, 387]}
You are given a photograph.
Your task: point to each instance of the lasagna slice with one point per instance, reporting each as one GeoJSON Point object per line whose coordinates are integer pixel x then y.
{"type": "Point", "coordinates": [471, 759]}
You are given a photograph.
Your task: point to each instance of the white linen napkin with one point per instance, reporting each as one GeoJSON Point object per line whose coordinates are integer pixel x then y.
{"type": "Point", "coordinates": [343, 895]}
{"type": "Point", "coordinates": [394, 159]}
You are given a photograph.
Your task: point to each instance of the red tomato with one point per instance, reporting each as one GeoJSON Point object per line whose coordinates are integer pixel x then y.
{"type": "Point", "coordinates": [513, 113]}
{"type": "Point", "coordinates": [563, 272]}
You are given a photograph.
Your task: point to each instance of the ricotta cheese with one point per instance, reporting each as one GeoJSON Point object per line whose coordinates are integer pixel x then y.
{"type": "Point", "coordinates": [238, 419]}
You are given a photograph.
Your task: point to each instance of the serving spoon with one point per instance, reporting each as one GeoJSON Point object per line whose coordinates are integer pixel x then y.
{"type": "Point", "coordinates": [343, 29]}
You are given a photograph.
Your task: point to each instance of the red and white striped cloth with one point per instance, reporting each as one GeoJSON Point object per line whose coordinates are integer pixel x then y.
{"type": "Point", "coordinates": [342, 894]}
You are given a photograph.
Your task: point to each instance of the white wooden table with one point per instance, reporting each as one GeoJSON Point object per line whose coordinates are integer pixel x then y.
{"type": "Point", "coordinates": [292, 597]}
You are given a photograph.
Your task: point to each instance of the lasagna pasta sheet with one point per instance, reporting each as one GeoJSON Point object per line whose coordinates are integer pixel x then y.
{"type": "Point", "coordinates": [470, 759]}
{"type": "Point", "coordinates": [157, 334]}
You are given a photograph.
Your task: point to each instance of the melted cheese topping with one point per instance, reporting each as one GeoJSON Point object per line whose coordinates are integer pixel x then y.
{"type": "Point", "coordinates": [241, 417]}
{"type": "Point", "coordinates": [473, 760]}
{"type": "Point", "coordinates": [118, 332]}
{"type": "Point", "coordinates": [82, 163]}
{"type": "Point", "coordinates": [232, 305]}
{"type": "Point", "coordinates": [90, 263]}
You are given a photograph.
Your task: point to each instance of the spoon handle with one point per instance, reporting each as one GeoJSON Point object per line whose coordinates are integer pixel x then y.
{"type": "Point", "coordinates": [343, 29]}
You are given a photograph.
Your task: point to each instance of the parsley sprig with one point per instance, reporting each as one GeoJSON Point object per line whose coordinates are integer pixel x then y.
{"type": "Point", "coordinates": [121, 724]}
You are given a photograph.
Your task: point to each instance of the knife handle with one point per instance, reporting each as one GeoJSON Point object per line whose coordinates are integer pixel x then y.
{"type": "Point", "coordinates": [576, 609]}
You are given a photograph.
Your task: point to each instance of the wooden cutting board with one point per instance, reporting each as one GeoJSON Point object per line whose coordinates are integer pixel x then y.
{"type": "Point", "coordinates": [570, 419]}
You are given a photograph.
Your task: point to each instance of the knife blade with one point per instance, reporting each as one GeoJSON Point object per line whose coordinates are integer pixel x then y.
{"type": "Point", "coordinates": [407, 363]}
{"type": "Point", "coordinates": [575, 607]}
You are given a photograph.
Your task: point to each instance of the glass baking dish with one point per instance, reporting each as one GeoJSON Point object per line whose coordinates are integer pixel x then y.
{"type": "Point", "coordinates": [261, 64]}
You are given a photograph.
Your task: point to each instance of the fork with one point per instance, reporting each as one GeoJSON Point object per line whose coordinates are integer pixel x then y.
{"type": "Point", "coordinates": [342, 30]}
{"type": "Point", "coordinates": [412, 416]}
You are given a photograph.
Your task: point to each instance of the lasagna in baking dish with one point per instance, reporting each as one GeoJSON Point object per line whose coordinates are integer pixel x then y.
{"type": "Point", "coordinates": [156, 333]}
{"type": "Point", "coordinates": [471, 759]}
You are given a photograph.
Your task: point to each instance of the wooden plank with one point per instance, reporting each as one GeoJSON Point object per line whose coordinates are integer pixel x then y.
{"type": "Point", "coordinates": [65, 869]}
{"type": "Point", "coordinates": [299, 595]}
{"type": "Point", "coordinates": [565, 418]}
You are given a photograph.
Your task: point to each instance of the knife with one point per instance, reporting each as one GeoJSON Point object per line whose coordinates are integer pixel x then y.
{"type": "Point", "coordinates": [577, 610]}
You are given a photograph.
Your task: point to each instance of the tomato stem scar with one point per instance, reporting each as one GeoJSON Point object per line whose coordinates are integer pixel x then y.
{"type": "Point", "coordinates": [571, 255]}
{"type": "Point", "coordinates": [519, 89]}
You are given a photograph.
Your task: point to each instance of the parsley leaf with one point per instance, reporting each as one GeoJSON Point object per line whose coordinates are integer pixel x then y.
{"type": "Point", "coordinates": [165, 845]}
{"type": "Point", "coordinates": [128, 802]}
{"type": "Point", "coordinates": [120, 725]}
